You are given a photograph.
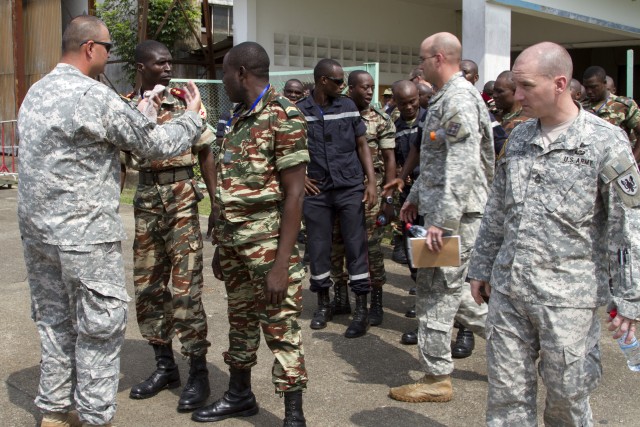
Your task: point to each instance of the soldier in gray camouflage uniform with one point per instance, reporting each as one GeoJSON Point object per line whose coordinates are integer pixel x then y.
{"type": "Point", "coordinates": [456, 168]}
{"type": "Point", "coordinates": [563, 203]}
{"type": "Point", "coordinates": [71, 130]}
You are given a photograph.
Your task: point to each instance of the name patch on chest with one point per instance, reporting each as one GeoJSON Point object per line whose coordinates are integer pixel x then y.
{"type": "Point", "coordinates": [578, 161]}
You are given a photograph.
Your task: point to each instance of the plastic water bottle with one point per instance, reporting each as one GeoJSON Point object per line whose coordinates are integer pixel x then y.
{"type": "Point", "coordinates": [631, 351]}
{"type": "Point", "coordinates": [416, 230]}
{"type": "Point", "coordinates": [381, 221]}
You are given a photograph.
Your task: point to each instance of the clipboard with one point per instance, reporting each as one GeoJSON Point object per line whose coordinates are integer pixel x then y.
{"type": "Point", "coordinates": [421, 257]}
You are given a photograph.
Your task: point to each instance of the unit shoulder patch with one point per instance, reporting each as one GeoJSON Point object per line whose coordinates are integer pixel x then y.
{"type": "Point", "coordinates": [453, 128]}
{"type": "Point", "coordinates": [628, 184]}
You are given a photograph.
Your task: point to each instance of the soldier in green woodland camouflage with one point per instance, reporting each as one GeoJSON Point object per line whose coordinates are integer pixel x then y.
{"type": "Point", "coordinates": [617, 110]}
{"type": "Point", "coordinates": [260, 188]}
{"type": "Point", "coordinates": [381, 140]}
{"type": "Point", "coordinates": [563, 206]}
{"type": "Point", "coordinates": [167, 250]}
{"type": "Point", "coordinates": [72, 128]}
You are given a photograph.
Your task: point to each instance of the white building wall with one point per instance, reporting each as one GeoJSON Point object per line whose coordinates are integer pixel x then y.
{"type": "Point", "coordinates": [486, 38]}
{"type": "Point", "coordinates": [297, 33]}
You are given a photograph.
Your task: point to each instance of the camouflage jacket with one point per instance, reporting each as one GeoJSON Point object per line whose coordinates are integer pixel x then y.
{"type": "Point", "coordinates": [457, 165]}
{"type": "Point", "coordinates": [259, 144]}
{"type": "Point", "coordinates": [173, 106]}
{"type": "Point", "coordinates": [558, 215]}
{"type": "Point", "coordinates": [617, 110]}
{"type": "Point", "coordinates": [72, 128]}
{"type": "Point", "coordinates": [511, 120]}
{"type": "Point", "coordinates": [380, 134]}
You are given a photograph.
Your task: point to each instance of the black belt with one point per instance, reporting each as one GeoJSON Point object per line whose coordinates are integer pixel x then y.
{"type": "Point", "coordinates": [166, 176]}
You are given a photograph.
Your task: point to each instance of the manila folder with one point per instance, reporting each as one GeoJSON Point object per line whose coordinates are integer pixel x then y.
{"type": "Point", "coordinates": [421, 257]}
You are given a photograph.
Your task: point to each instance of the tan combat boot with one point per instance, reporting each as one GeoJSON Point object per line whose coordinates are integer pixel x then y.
{"type": "Point", "coordinates": [61, 419]}
{"type": "Point", "coordinates": [431, 388]}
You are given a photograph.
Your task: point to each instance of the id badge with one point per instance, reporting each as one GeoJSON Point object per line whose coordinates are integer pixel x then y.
{"type": "Point", "coordinates": [227, 157]}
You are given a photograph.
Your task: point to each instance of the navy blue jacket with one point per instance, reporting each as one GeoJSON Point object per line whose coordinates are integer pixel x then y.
{"type": "Point", "coordinates": [332, 135]}
{"type": "Point", "coordinates": [406, 136]}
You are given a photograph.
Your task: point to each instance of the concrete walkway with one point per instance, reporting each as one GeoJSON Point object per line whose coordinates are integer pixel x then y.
{"type": "Point", "coordinates": [349, 379]}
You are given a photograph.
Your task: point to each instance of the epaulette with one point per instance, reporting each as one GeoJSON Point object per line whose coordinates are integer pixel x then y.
{"type": "Point", "coordinates": [623, 100]}
{"type": "Point", "coordinates": [288, 107]}
{"type": "Point", "coordinates": [381, 112]}
{"type": "Point", "coordinates": [180, 93]}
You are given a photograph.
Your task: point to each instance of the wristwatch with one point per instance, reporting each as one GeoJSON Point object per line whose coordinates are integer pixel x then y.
{"type": "Point", "coordinates": [389, 200]}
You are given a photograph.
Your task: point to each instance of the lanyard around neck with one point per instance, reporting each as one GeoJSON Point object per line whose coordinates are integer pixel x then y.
{"type": "Point", "coordinates": [236, 114]}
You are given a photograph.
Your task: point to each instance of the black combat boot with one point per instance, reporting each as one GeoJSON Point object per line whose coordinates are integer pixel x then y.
{"type": "Point", "coordinates": [340, 304]}
{"type": "Point", "coordinates": [166, 374]}
{"type": "Point", "coordinates": [360, 322]}
{"type": "Point", "coordinates": [410, 337]}
{"type": "Point", "coordinates": [293, 415]}
{"type": "Point", "coordinates": [238, 401]}
{"type": "Point", "coordinates": [399, 254]}
{"type": "Point", "coordinates": [324, 313]}
{"type": "Point", "coordinates": [375, 309]}
{"type": "Point", "coordinates": [197, 390]}
{"type": "Point", "coordinates": [411, 313]}
{"type": "Point", "coordinates": [465, 342]}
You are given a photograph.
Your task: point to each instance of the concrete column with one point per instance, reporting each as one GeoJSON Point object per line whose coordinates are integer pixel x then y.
{"type": "Point", "coordinates": [486, 38]}
{"type": "Point", "coordinates": [244, 21]}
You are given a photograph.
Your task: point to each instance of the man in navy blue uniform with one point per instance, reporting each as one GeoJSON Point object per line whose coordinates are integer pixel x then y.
{"type": "Point", "coordinates": [335, 187]}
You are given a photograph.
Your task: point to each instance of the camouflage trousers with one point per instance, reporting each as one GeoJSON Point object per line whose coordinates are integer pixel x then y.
{"type": "Point", "coordinates": [376, 257]}
{"type": "Point", "coordinates": [442, 295]}
{"type": "Point", "coordinates": [244, 269]}
{"type": "Point", "coordinates": [566, 341]}
{"type": "Point", "coordinates": [167, 272]}
{"type": "Point", "coordinates": [79, 305]}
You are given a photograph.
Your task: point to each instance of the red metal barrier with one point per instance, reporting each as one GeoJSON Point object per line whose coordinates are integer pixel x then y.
{"type": "Point", "coordinates": [9, 153]}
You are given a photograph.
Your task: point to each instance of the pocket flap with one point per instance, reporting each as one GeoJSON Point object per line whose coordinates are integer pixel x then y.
{"type": "Point", "coordinates": [108, 289]}
{"type": "Point", "coordinates": [574, 352]}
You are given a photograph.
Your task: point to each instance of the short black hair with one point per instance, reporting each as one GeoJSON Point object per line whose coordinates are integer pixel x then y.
{"type": "Point", "coordinates": [507, 75]}
{"type": "Point", "coordinates": [403, 87]}
{"type": "Point", "coordinates": [474, 65]}
{"type": "Point", "coordinates": [595, 71]}
{"type": "Point", "coordinates": [252, 56]}
{"type": "Point", "coordinates": [80, 29]}
{"type": "Point", "coordinates": [323, 67]}
{"type": "Point", "coordinates": [144, 49]}
{"type": "Point", "coordinates": [293, 81]}
{"type": "Point", "coordinates": [354, 75]}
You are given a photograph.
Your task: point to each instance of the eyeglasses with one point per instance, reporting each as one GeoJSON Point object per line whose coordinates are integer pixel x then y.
{"type": "Point", "coordinates": [339, 82]}
{"type": "Point", "coordinates": [428, 57]}
{"type": "Point", "coordinates": [107, 45]}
